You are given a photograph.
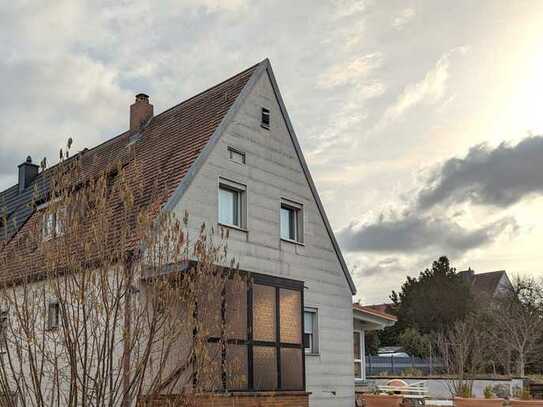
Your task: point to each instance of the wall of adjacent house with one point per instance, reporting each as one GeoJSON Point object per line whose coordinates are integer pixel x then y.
{"type": "Point", "coordinates": [273, 171]}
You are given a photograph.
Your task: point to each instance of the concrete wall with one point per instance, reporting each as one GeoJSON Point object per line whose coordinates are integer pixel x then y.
{"type": "Point", "coordinates": [272, 172]}
{"type": "Point", "coordinates": [440, 388]}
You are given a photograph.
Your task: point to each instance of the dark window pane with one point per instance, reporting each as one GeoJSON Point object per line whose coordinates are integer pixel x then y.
{"type": "Point", "coordinates": [291, 369]}
{"type": "Point", "coordinates": [236, 308]}
{"type": "Point", "coordinates": [308, 340]}
{"type": "Point", "coordinates": [265, 368]}
{"type": "Point", "coordinates": [236, 367]}
{"type": "Point", "coordinates": [264, 313]}
{"type": "Point", "coordinates": [291, 316]}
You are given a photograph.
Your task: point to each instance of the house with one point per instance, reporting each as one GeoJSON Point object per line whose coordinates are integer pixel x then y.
{"type": "Point", "coordinates": [491, 284]}
{"type": "Point", "coordinates": [366, 318]}
{"type": "Point", "coordinates": [230, 158]}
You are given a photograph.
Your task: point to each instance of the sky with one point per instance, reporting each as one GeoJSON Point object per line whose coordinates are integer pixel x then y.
{"type": "Point", "coordinates": [421, 121]}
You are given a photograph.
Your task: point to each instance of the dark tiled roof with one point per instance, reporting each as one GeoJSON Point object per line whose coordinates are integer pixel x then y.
{"type": "Point", "coordinates": [487, 282]}
{"type": "Point", "coordinates": [166, 148]}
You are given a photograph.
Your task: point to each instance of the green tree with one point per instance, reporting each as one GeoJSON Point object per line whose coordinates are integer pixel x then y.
{"type": "Point", "coordinates": [429, 303]}
{"type": "Point", "coordinates": [414, 343]}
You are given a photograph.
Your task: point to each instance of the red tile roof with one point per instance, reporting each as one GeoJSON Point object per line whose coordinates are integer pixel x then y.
{"type": "Point", "coordinates": [371, 311]}
{"type": "Point", "coordinates": [165, 150]}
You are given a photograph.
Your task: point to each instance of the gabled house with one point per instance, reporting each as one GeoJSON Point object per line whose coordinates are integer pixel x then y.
{"type": "Point", "coordinates": [491, 284]}
{"type": "Point", "coordinates": [230, 158]}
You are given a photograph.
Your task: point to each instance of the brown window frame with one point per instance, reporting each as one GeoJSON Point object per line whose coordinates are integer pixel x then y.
{"type": "Point", "coordinates": [277, 283]}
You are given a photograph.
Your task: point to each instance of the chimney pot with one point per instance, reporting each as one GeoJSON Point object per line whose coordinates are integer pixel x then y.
{"type": "Point", "coordinates": [140, 112]}
{"type": "Point", "coordinates": [27, 173]}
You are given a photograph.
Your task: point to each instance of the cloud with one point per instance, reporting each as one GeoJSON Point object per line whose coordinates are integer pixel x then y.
{"type": "Point", "coordinates": [403, 18]}
{"type": "Point", "coordinates": [413, 232]}
{"type": "Point", "coordinates": [350, 72]}
{"type": "Point", "coordinates": [430, 89]}
{"type": "Point", "coordinates": [388, 265]}
{"type": "Point", "coordinates": [500, 176]}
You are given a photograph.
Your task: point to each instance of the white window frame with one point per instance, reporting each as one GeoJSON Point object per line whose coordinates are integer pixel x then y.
{"type": "Point", "coordinates": [53, 224]}
{"type": "Point", "coordinates": [297, 209]}
{"type": "Point", "coordinates": [362, 360]}
{"type": "Point", "coordinates": [241, 193]}
{"type": "Point", "coordinates": [314, 349]}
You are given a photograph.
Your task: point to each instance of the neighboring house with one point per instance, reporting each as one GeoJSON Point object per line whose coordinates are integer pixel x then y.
{"type": "Point", "coordinates": [229, 156]}
{"type": "Point", "coordinates": [366, 319]}
{"type": "Point", "coordinates": [491, 284]}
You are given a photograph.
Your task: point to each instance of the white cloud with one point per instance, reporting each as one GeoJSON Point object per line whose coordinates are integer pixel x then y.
{"type": "Point", "coordinates": [404, 17]}
{"type": "Point", "coordinates": [429, 90]}
{"type": "Point", "coordinates": [350, 72]}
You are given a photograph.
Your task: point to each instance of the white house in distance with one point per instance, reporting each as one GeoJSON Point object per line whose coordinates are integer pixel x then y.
{"type": "Point", "coordinates": [366, 319]}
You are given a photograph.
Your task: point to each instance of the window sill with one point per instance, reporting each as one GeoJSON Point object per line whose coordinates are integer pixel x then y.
{"type": "Point", "coordinates": [264, 126]}
{"type": "Point", "coordinates": [292, 241]}
{"type": "Point", "coordinates": [312, 354]}
{"type": "Point", "coordinates": [225, 225]}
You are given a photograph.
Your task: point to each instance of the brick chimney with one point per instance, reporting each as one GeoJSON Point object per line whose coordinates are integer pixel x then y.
{"type": "Point", "coordinates": [27, 173]}
{"type": "Point", "coordinates": [140, 112]}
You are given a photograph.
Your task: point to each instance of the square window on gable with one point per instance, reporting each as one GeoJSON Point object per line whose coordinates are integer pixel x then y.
{"type": "Point", "coordinates": [232, 203]}
{"type": "Point", "coordinates": [236, 155]}
{"type": "Point", "coordinates": [265, 118]}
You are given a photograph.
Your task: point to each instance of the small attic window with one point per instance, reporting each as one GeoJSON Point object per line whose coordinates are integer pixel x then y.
{"type": "Point", "coordinates": [236, 155]}
{"type": "Point", "coordinates": [265, 118]}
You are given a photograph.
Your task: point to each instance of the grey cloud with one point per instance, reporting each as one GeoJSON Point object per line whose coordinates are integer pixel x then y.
{"type": "Point", "coordinates": [412, 232]}
{"type": "Point", "coordinates": [500, 176]}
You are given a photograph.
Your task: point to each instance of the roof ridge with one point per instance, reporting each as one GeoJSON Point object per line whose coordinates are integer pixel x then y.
{"type": "Point", "coordinates": [154, 117]}
{"type": "Point", "coordinates": [208, 89]}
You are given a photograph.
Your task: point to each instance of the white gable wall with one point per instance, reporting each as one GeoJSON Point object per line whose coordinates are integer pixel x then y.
{"type": "Point", "coordinates": [272, 172]}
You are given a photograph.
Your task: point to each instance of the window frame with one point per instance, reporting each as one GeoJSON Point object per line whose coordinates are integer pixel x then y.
{"type": "Point", "coordinates": [265, 113]}
{"type": "Point", "coordinates": [313, 350]}
{"type": "Point", "coordinates": [297, 210]}
{"type": "Point", "coordinates": [361, 360]}
{"type": "Point", "coordinates": [241, 196]}
{"type": "Point", "coordinates": [53, 320]}
{"type": "Point", "coordinates": [53, 223]}
{"type": "Point", "coordinates": [277, 283]}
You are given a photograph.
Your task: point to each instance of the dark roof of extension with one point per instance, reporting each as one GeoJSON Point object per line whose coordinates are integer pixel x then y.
{"type": "Point", "coordinates": [170, 149]}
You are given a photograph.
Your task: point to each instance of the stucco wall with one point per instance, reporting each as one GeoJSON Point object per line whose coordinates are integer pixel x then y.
{"type": "Point", "coordinates": [272, 172]}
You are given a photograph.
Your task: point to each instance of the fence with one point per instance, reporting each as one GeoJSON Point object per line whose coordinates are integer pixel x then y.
{"type": "Point", "coordinates": [389, 366]}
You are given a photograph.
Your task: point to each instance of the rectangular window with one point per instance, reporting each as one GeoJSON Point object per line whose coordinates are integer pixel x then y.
{"type": "Point", "coordinates": [236, 155]}
{"type": "Point", "coordinates": [53, 315]}
{"type": "Point", "coordinates": [3, 330]}
{"type": "Point", "coordinates": [357, 345]}
{"type": "Point", "coordinates": [268, 355]}
{"type": "Point", "coordinates": [232, 204]}
{"type": "Point", "coordinates": [291, 222]}
{"type": "Point", "coordinates": [311, 339]}
{"type": "Point", "coordinates": [265, 118]}
{"type": "Point", "coordinates": [53, 224]}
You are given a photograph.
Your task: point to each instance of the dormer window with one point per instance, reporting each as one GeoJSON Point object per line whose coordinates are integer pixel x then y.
{"type": "Point", "coordinates": [53, 224]}
{"type": "Point", "coordinates": [265, 118]}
